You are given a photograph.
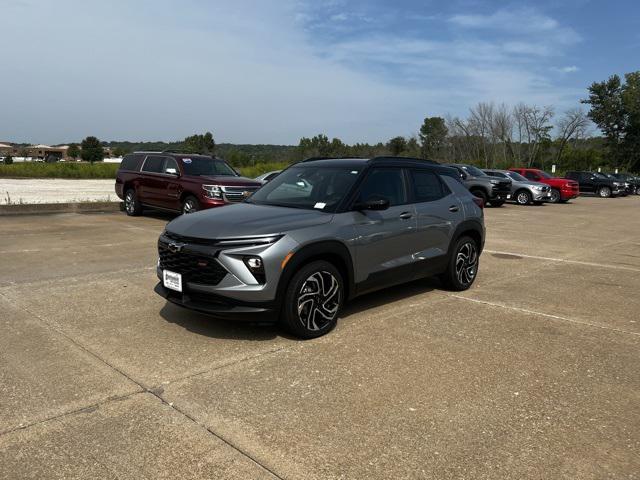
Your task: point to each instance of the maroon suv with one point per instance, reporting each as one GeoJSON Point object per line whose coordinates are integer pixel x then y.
{"type": "Point", "coordinates": [179, 182]}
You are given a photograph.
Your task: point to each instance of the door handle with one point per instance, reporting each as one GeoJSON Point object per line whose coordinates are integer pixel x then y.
{"type": "Point", "coordinates": [406, 215]}
{"type": "Point", "coordinates": [453, 208]}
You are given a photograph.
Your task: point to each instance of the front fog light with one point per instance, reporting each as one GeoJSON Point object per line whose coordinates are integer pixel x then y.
{"type": "Point", "coordinates": [256, 267]}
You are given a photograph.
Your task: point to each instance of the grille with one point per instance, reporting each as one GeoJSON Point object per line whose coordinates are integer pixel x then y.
{"type": "Point", "coordinates": [236, 194]}
{"type": "Point", "coordinates": [193, 268]}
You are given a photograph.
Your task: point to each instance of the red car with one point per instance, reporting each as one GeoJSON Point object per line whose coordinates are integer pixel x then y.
{"type": "Point", "coordinates": [179, 182]}
{"type": "Point", "coordinates": [562, 189]}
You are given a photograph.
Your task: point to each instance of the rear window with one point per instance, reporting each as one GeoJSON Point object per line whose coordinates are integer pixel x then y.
{"type": "Point", "coordinates": [130, 162]}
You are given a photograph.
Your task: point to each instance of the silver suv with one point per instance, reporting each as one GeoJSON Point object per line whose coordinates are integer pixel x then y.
{"type": "Point", "coordinates": [523, 190]}
{"type": "Point", "coordinates": [322, 232]}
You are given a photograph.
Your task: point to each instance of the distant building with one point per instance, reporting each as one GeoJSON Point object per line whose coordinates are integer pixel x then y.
{"type": "Point", "coordinates": [40, 152]}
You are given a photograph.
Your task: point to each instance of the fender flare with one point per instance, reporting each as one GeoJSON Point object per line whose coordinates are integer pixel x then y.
{"type": "Point", "coordinates": [331, 249]}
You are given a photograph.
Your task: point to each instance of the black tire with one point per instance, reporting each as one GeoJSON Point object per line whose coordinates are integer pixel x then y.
{"type": "Point", "coordinates": [496, 203]}
{"type": "Point", "coordinates": [462, 269]}
{"type": "Point", "coordinates": [190, 204]}
{"type": "Point", "coordinates": [537, 204]}
{"type": "Point", "coordinates": [311, 307]}
{"type": "Point", "coordinates": [604, 192]}
{"type": "Point", "coordinates": [132, 205]}
{"type": "Point", "coordinates": [481, 194]}
{"type": "Point", "coordinates": [523, 197]}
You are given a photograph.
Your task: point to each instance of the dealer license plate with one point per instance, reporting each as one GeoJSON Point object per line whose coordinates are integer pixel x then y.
{"type": "Point", "coordinates": [172, 280]}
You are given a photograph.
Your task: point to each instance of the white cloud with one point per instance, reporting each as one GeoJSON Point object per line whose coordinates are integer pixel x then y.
{"type": "Point", "coordinates": [569, 69]}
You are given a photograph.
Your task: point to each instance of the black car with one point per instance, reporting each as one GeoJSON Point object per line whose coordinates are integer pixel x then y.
{"type": "Point", "coordinates": [598, 183]}
{"type": "Point", "coordinates": [631, 182]}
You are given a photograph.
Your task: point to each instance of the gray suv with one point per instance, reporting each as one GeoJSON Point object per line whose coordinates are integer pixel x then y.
{"type": "Point", "coordinates": [492, 191]}
{"type": "Point", "coordinates": [322, 232]}
{"type": "Point", "coordinates": [523, 190]}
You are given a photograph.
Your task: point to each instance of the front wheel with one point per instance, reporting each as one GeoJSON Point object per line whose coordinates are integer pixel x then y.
{"type": "Point", "coordinates": [555, 196]}
{"type": "Point", "coordinates": [480, 194]}
{"type": "Point", "coordinates": [523, 197]}
{"type": "Point", "coordinates": [604, 192]}
{"type": "Point", "coordinates": [463, 265]}
{"type": "Point", "coordinates": [190, 205]}
{"type": "Point", "coordinates": [313, 300]}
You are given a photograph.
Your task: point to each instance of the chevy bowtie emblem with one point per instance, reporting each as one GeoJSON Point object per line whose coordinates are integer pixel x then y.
{"type": "Point", "coordinates": [175, 247]}
{"type": "Point", "coordinates": [246, 193]}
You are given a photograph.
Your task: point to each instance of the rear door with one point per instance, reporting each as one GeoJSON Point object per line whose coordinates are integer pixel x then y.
{"type": "Point", "coordinates": [386, 240]}
{"type": "Point", "coordinates": [153, 181]}
{"type": "Point", "coordinates": [438, 213]}
{"type": "Point", "coordinates": [587, 182]}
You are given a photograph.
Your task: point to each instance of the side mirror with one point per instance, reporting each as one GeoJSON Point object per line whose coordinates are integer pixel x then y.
{"type": "Point", "coordinates": [378, 204]}
{"type": "Point", "coordinates": [171, 171]}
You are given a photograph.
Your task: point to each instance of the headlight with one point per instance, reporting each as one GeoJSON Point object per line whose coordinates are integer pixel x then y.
{"type": "Point", "coordinates": [537, 187]}
{"type": "Point", "coordinates": [212, 191]}
{"type": "Point", "coordinates": [256, 267]}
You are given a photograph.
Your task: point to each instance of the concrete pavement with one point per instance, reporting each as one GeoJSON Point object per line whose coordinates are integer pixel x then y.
{"type": "Point", "coordinates": [533, 373]}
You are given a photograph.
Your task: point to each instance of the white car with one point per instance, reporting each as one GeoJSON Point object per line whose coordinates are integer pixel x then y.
{"type": "Point", "coordinates": [267, 177]}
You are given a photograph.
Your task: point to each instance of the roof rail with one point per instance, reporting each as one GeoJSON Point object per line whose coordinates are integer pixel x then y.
{"type": "Point", "coordinates": [311, 159]}
{"type": "Point", "coordinates": [395, 157]}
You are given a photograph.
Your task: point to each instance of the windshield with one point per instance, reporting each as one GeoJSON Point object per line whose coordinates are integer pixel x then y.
{"type": "Point", "coordinates": [206, 166]}
{"type": "Point", "coordinates": [319, 188]}
{"type": "Point", "coordinates": [599, 175]}
{"type": "Point", "coordinates": [544, 174]}
{"type": "Point", "coordinates": [471, 170]}
{"type": "Point", "coordinates": [517, 177]}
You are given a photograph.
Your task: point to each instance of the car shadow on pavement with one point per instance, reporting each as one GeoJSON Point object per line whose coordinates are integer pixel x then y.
{"type": "Point", "coordinates": [212, 327]}
{"type": "Point", "coordinates": [390, 295]}
{"type": "Point", "coordinates": [209, 326]}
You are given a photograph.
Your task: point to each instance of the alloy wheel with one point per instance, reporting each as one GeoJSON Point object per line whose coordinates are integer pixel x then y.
{"type": "Point", "coordinates": [129, 203]}
{"type": "Point", "coordinates": [188, 207]}
{"type": "Point", "coordinates": [467, 263]}
{"type": "Point", "coordinates": [605, 192]}
{"type": "Point", "coordinates": [555, 196]}
{"type": "Point", "coordinates": [523, 198]}
{"type": "Point", "coordinates": [318, 300]}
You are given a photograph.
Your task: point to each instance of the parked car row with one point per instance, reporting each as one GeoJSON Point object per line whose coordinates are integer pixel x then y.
{"type": "Point", "coordinates": [295, 245]}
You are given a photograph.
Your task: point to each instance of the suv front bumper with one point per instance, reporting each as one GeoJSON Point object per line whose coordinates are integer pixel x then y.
{"type": "Point", "coordinates": [219, 307]}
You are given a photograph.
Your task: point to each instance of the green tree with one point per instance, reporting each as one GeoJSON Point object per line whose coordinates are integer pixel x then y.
{"type": "Point", "coordinates": [119, 152]}
{"type": "Point", "coordinates": [92, 150]}
{"type": "Point", "coordinates": [433, 134]}
{"type": "Point", "coordinates": [202, 144]}
{"type": "Point", "coordinates": [73, 151]}
{"type": "Point", "coordinates": [397, 145]}
{"type": "Point", "coordinates": [318, 146]}
{"type": "Point", "coordinates": [608, 112]}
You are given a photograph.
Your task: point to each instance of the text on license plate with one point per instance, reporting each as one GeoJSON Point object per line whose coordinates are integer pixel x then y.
{"type": "Point", "coordinates": [172, 280]}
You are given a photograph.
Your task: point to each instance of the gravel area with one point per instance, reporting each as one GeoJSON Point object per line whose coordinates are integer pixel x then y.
{"type": "Point", "coordinates": [55, 190]}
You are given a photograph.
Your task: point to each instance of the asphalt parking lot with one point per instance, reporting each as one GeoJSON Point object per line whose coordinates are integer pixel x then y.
{"type": "Point", "coordinates": [533, 373]}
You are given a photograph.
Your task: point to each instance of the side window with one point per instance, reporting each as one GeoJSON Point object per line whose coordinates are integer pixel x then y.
{"type": "Point", "coordinates": [383, 183]}
{"type": "Point", "coordinates": [426, 186]}
{"type": "Point", "coordinates": [530, 175]}
{"type": "Point", "coordinates": [130, 162]}
{"type": "Point", "coordinates": [171, 163]}
{"type": "Point", "coordinates": [153, 164]}
{"type": "Point", "coordinates": [497, 174]}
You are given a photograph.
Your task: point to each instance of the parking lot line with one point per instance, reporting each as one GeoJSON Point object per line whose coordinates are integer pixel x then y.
{"type": "Point", "coordinates": [547, 315]}
{"type": "Point", "coordinates": [564, 260]}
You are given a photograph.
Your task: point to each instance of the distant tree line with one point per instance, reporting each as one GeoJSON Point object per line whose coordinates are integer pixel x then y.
{"type": "Point", "coordinates": [490, 136]}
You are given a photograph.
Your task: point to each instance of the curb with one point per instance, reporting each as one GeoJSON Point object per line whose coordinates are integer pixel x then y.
{"type": "Point", "coordinates": [49, 208]}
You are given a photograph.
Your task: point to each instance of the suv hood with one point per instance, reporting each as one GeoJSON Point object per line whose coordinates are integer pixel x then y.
{"type": "Point", "coordinates": [245, 219]}
{"type": "Point", "coordinates": [225, 180]}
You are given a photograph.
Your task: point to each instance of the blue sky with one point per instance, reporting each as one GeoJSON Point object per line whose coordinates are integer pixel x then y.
{"type": "Point", "coordinates": [271, 72]}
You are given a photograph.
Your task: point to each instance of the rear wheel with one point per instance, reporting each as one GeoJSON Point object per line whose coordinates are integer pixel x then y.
{"type": "Point", "coordinates": [190, 204]}
{"type": "Point", "coordinates": [313, 300]}
{"type": "Point", "coordinates": [463, 265]}
{"type": "Point", "coordinates": [523, 197]}
{"type": "Point", "coordinates": [604, 192]}
{"type": "Point", "coordinates": [555, 196]}
{"type": "Point", "coordinates": [132, 205]}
